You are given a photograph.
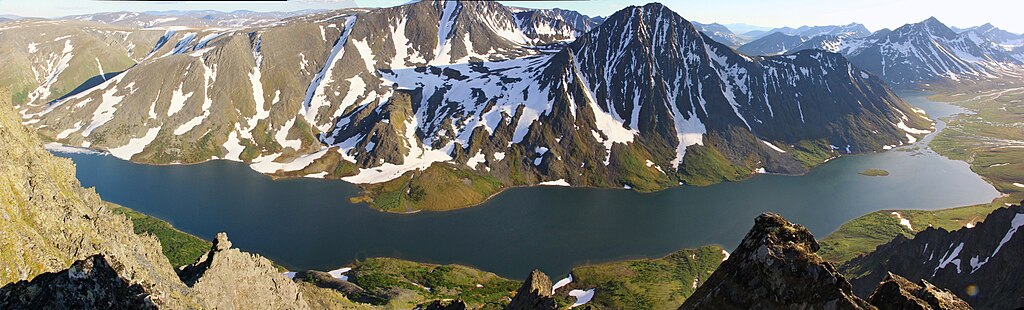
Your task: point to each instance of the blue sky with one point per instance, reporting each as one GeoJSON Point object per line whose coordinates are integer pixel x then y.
{"type": "Point", "coordinates": [875, 14]}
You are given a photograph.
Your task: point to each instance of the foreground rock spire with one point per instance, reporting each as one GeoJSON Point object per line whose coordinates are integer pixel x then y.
{"type": "Point", "coordinates": [775, 268]}
{"type": "Point", "coordinates": [534, 294]}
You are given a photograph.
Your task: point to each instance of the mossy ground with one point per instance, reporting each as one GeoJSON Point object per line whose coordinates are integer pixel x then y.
{"type": "Point", "coordinates": [180, 248]}
{"type": "Point", "coordinates": [660, 283]}
{"type": "Point", "coordinates": [863, 234]}
{"type": "Point", "coordinates": [479, 289]}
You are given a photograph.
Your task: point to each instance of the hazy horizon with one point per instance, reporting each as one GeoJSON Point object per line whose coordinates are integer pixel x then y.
{"type": "Point", "coordinates": [874, 14]}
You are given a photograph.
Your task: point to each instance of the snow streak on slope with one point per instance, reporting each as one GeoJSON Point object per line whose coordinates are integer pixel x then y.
{"type": "Point", "coordinates": [312, 103]}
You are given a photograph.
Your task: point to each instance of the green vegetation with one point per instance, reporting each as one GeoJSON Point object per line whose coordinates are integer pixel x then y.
{"type": "Point", "coordinates": [179, 247]}
{"type": "Point", "coordinates": [861, 235]}
{"type": "Point", "coordinates": [479, 289]}
{"type": "Point", "coordinates": [989, 139]}
{"type": "Point", "coordinates": [324, 298]}
{"type": "Point", "coordinates": [633, 169]}
{"type": "Point", "coordinates": [441, 187]}
{"type": "Point", "coordinates": [875, 172]}
{"type": "Point", "coordinates": [705, 165]}
{"type": "Point", "coordinates": [813, 153]}
{"type": "Point", "coordinates": [661, 283]}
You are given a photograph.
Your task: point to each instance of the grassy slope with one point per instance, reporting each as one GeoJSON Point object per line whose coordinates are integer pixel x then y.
{"type": "Point", "coordinates": [863, 234]}
{"type": "Point", "coordinates": [661, 283]}
{"type": "Point", "coordinates": [441, 187]}
{"type": "Point", "coordinates": [179, 247]}
{"type": "Point", "coordinates": [383, 276]}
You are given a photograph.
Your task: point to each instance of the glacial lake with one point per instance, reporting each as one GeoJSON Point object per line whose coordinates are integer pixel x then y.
{"type": "Point", "coordinates": [309, 223]}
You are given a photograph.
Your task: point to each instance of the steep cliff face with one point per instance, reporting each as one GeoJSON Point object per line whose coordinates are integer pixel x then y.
{"type": "Point", "coordinates": [48, 222]}
{"type": "Point", "coordinates": [775, 267]}
{"type": "Point", "coordinates": [982, 264]}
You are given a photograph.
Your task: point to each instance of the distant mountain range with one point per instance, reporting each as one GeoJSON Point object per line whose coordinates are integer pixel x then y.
{"type": "Point", "coordinates": [774, 43]}
{"type": "Point", "coordinates": [850, 30]}
{"type": "Point", "coordinates": [452, 91]}
{"type": "Point", "coordinates": [198, 18]}
{"type": "Point", "coordinates": [1002, 38]}
{"type": "Point", "coordinates": [923, 52]}
{"type": "Point", "coordinates": [781, 40]}
{"type": "Point", "coordinates": [720, 34]}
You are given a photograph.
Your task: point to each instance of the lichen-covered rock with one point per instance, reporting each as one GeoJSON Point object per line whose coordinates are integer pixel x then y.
{"type": "Point", "coordinates": [91, 283]}
{"type": "Point", "coordinates": [48, 222]}
{"type": "Point", "coordinates": [775, 267]}
{"type": "Point", "coordinates": [897, 293]}
{"type": "Point", "coordinates": [534, 294]}
{"type": "Point", "coordinates": [231, 279]}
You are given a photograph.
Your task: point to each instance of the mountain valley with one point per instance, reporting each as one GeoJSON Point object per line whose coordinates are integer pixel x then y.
{"type": "Point", "coordinates": [449, 154]}
{"type": "Point", "coordinates": [373, 107]}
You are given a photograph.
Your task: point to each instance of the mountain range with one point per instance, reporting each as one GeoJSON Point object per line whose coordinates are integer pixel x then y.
{"type": "Point", "coordinates": [918, 53]}
{"type": "Point", "coordinates": [457, 90]}
{"type": "Point", "coordinates": [774, 43]}
{"type": "Point", "coordinates": [199, 18]}
{"type": "Point", "coordinates": [998, 36]}
{"type": "Point", "coordinates": [849, 30]}
{"type": "Point", "coordinates": [719, 33]}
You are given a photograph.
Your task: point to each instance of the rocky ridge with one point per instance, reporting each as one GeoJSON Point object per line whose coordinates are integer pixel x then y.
{"type": "Point", "coordinates": [979, 264]}
{"type": "Point", "coordinates": [50, 223]}
{"type": "Point", "coordinates": [896, 292]}
{"type": "Point", "coordinates": [535, 293]}
{"type": "Point", "coordinates": [923, 52]}
{"type": "Point", "coordinates": [775, 267]}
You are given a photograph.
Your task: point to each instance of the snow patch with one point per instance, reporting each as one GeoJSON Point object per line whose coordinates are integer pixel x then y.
{"type": "Point", "coordinates": [60, 148]}
{"type": "Point", "coordinates": [582, 297]}
{"type": "Point", "coordinates": [559, 182]}
{"type": "Point", "coordinates": [776, 148]}
{"type": "Point", "coordinates": [135, 145]}
{"type": "Point", "coordinates": [903, 221]}
{"type": "Point", "coordinates": [561, 283]}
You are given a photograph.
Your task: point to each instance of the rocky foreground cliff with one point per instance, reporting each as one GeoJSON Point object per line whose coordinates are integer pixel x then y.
{"type": "Point", "coordinates": [980, 263]}
{"type": "Point", "coordinates": [61, 246]}
{"type": "Point", "coordinates": [775, 267]}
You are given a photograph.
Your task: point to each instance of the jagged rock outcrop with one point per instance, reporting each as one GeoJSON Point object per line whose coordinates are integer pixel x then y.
{"type": "Point", "coordinates": [91, 283]}
{"type": "Point", "coordinates": [535, 294]}
{"type": "Point", "coordinates": [228, 278]}
{"type": "Point", "coordinates": [445, 305]}
{"type": "Point", "coordinates": [48, 222]}
{"type": "Point", "coordinates": [981, 264]}
{"type": "Point", "coordinates": [775, 267]}
{"type": "Point", "coordinates": [897, 292]}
